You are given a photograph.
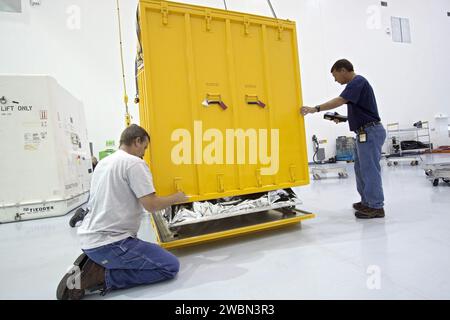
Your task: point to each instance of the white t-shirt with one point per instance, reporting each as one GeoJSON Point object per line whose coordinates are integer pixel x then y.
{"type": "Point", "coordinates": [114, 209]}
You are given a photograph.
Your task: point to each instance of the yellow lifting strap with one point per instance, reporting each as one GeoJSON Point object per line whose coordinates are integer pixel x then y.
{"type": "Point", "coordinates": [125, 96]}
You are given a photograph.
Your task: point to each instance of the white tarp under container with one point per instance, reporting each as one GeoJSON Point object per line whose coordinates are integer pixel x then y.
{"type": "Point", "coordinates": [45, 163]}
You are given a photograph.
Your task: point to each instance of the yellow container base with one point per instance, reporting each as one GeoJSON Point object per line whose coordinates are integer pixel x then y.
{"type": "Point", "coordinates": [225, 228]}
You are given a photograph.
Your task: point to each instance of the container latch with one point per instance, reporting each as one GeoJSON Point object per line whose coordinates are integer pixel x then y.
{"type": "Point", "coordinates": [280, 30]}
{"type": "Point", "coordinates": [246, 26]}
{"type": "Point", "coordinates": [258, 178]}
{"type": "Point", "coordinates": [177, 184]}
{"type": "Point", "coordinates": [214, 99]}
{"type": "Point", "coordinates": [220, 183]}
{"type": "Point", "coordinates": [292, 172]}
{"type": "Point", "coordinates": [208, 19]}
{"type": "Point", "coordinates": [252, 99]}
{"type": "Point", "coordinates": [165, 13]}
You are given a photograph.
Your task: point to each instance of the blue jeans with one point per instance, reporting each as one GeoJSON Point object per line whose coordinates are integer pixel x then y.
{"type": "Point", "coordinates": [368, 169]}
{"type": "Point", "coordinates": [131, 262]}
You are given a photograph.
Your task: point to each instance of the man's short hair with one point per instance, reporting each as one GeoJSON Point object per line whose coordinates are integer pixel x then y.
{"type": "Point", "coordinates": [130, 134]}
{"type": "Point", "coordinates": [342, 64]}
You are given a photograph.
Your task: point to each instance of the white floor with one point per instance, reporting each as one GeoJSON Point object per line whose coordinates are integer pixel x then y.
{"type": "Point", "coordinates": [335, 256]}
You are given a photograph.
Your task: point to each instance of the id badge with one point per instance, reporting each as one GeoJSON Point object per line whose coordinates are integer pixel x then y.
{"type": "Point", "coordinates": [362, 137]}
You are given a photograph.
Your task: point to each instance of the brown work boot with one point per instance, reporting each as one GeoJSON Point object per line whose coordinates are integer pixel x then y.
{"type": "Point", "coordinates": [71, 278]}
{"type": "Point", "coordinates": [359, 206]}
{"type": "Point", "coordinates": [370, 213]}
{"type": "Point", "coordinates": [91, 277]}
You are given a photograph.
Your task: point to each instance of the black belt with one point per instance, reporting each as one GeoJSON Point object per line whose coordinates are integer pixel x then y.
{"type": "Point", "coordinates": [367, 125]}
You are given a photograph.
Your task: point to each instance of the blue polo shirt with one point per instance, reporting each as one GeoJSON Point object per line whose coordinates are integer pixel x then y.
{"type": "Point", "coordinates": [362, 105]}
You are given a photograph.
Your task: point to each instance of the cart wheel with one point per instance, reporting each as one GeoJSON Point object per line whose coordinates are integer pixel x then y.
{"type": "Point", "coordinates": [428, 172]}
{"type": "Point", "coordinates": [435, 182]}
{"type": "Point", "coordinates": [316, 177]}
{"type": "Point", "coordinates": [340, 175]}
{"type": "Point", "coordinates": [395, 163]}
{"type": "Point", "coordinates": [389, 164]}
{"type": "Point", "coordinates": [413, 163]}
{"type": "Point", "coordinates": [417, 162]}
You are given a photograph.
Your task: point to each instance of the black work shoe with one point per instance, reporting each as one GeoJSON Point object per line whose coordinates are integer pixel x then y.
{"type": "Point", "coordinates": [70, 278]}
{"type": "Point", "coordinates": [359, 206]}
{"type": "Point", "coordinates": [78, 216]}
{"type": "Point", "coordinates": [370, 213]}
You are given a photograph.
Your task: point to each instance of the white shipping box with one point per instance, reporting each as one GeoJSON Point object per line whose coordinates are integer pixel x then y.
{"type": "Point", "coordinates": [45, 163]}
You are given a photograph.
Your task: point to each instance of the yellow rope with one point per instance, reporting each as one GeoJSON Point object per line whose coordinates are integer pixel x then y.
{"type": "Point", "coordinates": [125, 97]}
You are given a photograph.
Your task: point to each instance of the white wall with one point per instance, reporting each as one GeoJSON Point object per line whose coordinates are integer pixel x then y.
{"type": "Point", "coordinates": [85, 60]}
{"type": "Point", "coordinates": [411, 81]}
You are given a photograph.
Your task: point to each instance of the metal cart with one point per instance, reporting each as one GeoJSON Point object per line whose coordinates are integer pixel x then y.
{"type": "Point", "coordinates": [318, 171]}
{"type": "Point", "coordinates": [396, 151]}
{"type": "Point", "coordinates": [437, 171]}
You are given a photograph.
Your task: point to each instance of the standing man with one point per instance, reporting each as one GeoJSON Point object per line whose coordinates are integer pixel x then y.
{"type": "Point", "coordinates": [121, 187]}
{"type": "Point", "coordinates": [365, 121]}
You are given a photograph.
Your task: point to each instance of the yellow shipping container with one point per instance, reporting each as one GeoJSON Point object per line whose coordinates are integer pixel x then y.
{"type": "Point", "coordinates": [206, 74]}
{"type": "Point", "coordinates": [220, 94]}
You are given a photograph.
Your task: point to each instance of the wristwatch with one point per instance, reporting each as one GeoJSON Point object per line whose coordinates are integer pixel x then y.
{"type": "Point", "coordinates": [317, 108]}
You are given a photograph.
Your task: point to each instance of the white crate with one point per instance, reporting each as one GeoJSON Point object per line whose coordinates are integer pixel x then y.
{"type": "Point", "coordinates": [45, 163]}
